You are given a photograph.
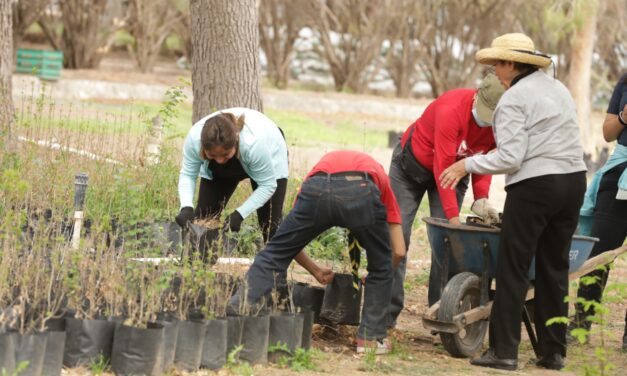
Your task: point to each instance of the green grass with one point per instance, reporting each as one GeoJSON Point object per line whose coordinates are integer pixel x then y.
{"type": "Point", "coordinates": [307, 131]}
{"type": "Point", "coordinates": [301, 130]}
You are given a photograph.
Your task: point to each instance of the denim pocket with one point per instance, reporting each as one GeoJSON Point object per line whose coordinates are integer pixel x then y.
{"type": "Point", "coordinates": [306, 206]}
{"type": "Point", "coordinates": [353, 204]}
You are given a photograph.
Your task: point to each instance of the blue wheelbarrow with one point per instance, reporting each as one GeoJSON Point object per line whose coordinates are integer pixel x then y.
{"type": "Point", "coordinates": [468, 253]}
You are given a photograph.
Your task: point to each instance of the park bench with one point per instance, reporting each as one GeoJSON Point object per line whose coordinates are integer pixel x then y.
{"type": "Point", "coordinates": [46, 65]}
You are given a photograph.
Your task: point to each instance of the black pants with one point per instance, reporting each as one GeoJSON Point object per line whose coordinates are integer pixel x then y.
{"type": "Point", "coordinates": [215, 194]}
{"type": "Point", "coordinates": [610, 226]}
{"type": "Point", "coordinates": [539, 219]}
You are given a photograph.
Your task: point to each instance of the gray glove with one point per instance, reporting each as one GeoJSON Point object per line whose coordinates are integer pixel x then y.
{"type": "Point", "coordinates": [484, 209]}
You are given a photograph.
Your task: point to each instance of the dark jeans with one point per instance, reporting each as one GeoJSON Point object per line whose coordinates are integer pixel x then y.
{"type": "Point", "coordinates": [215, 194]}
{"type": "Point", "coordinates": [610, 226]}
{"type": "Point", "coordinates": [324, 202]}
{"type": "Point", "coordinates": [409, 188]}
{"type": "Point", "coordinates": [539, 219]}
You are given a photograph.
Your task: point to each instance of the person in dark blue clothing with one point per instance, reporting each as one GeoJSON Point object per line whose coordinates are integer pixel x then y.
{"type": "Point", "coordinates": [604, 213]}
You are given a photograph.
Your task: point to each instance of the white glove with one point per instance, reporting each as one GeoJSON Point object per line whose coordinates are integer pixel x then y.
{"type": "Point", "coordinates": [484, 209]}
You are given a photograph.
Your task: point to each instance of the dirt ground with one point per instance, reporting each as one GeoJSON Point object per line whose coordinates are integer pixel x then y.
{"type": "Point", "coordinates": [417, 351]}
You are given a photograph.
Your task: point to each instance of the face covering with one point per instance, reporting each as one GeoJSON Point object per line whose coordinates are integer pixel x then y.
{"type": "Point", "coordinates": [479, 122]}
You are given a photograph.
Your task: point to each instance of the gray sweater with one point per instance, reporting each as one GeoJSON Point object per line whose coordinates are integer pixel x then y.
{"type": "Point", "coordinates": [536, 132]}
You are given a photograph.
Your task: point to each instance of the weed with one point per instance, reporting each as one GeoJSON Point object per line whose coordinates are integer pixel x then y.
{"type": "Point", "coordinates": [599, 363]}
{"type": "Point", "coordinates": [170, 108]}
{"type": "Point", "coordinates": [18, 370]}
{"type": "Point", "coordinates": [234, 365]}
{"type": "Point", "coordinates": [374, 364]}
{"type": "Point", "coordinates": [283, 352]}
{"type": "Point", "coordinates": [330, 245]}
{"type": "Point", "coordinates": [304, 360]}
{"type": "Point", "coordinates": [100, 365]}
{"type": "Point", "coordinates": [400, 350]}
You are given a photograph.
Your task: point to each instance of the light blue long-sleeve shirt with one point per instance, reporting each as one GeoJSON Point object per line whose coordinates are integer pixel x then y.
{"type": "Point", "coordinates": [586, 212]}
{"type": "Point", "coordinates": [262, 152]}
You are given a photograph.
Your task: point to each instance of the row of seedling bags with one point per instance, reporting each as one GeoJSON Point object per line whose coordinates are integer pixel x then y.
{"type": "Point", "coordinates": [170, 343]}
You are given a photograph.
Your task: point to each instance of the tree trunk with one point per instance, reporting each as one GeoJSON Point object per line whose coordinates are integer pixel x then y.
{"type": "Point", "coordinates": [225, 62]}
{"type": "Point", "coordinates": [150, 22]}
{"type": "Point", "coordinates": [6, 71]}
{"type": "Point", "coordinates": [579, 76]}
{"type": "Point", "coordinates": [25, 13]}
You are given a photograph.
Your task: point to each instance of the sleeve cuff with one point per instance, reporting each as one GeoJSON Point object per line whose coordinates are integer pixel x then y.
{"type": "Point", "coordinates": [468, 165]}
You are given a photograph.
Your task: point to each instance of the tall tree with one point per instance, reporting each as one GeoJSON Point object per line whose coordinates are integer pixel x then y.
{"type": "Point", "coordinates": [279, 24]}
{"type": "Point", "coordinates": [610, 48]}
{"type": "Point", "coordinates": [225, 62]}
{"type": "Point", "coordinates": [450, 32]}
{"type": "Point", "coordinates": [150, 22]}
{"type": "Point", "coordinates": [25, 13]}
{"type": "Point", "coordinates": [88, 29]}
{"type": "Point", "coordinates": [6, 71]}
{"type": "Point", "coordinates": [350, 37]}
{"type": "Point", "coordinates": [401, 61]}
{"type": "Point", "coordinates": [183, 28]}
{"type": "Point", "coordinates": [580, 73]}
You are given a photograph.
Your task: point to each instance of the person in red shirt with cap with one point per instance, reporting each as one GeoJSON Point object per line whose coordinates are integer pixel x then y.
{"type": "Point", "coordinates": [454, 126]}
{"type": "Point", "coordinates": [348, 189]}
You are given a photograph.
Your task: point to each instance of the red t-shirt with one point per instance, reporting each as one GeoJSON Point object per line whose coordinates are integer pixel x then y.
{"type": "Point", "coordinates": [445, 133]}
{"type": "Point", "coordinates": [346, 160]}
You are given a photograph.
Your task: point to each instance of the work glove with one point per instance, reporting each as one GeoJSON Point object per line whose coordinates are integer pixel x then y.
{"type": "Point", "coordinates": [484, 209]}
{"type": "Point", "coordinates": [233, 221]}
{"type": "Point", "coordinates": [185, 216]}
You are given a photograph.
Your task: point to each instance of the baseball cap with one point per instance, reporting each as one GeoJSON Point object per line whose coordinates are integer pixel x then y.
{"type": "Point", "coordinates": [488, 95]}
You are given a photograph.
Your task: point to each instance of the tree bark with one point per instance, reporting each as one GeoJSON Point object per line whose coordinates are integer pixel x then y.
{"type": "Point", "coordinates": [225, 62]}
{"type": "Point", "coordinates": [579, 75]}
{"type": "Point", "coordinates": [6, 70]}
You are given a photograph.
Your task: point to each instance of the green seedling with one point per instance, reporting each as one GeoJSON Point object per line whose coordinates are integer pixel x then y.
{"type": "Point", "coordinates": [100, 365]}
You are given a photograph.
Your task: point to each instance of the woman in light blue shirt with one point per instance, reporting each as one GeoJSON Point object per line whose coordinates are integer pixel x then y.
{"type": "Point", "coordinates": [224, 148]}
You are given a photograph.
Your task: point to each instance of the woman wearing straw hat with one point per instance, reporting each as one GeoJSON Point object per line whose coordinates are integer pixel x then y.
{"type": "Point", "coordinates": [537, 146]}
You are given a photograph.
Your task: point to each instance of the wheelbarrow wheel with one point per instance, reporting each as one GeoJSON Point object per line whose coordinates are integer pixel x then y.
{"type": "Point", "coordinates": [461, 294]}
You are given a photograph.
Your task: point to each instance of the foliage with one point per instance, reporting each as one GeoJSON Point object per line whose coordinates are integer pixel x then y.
{"type": "Point", "coordinates": [330, 245]}
{"type": "Point", "coordinates": [170, 108]}
{"type": "Point", "coordinates": [599, 363]}
{"type": "Point", "coordinates": [18, 370]}
{"type": "Point", "coordinates": [234, 365]}
{"type": "Point", "coordinates": [300, 360]}
{"type": "Point", "coordinates": [372, 363]}
{"type": "Point", "coordinates": [100, 365]}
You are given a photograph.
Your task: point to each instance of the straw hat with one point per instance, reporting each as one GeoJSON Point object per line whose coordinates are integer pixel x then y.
{"type": "Point", "coordinates": [515, 47]}
{"type": "Point", "coordinates": [488, 95]}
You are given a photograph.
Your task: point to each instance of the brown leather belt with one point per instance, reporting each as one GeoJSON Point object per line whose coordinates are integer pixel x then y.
{"type": "Point", "coordinates": [347, 175]}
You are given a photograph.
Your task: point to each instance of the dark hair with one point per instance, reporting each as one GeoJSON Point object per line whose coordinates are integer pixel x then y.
{"type": "Point", "coordinates": [524, 67]}
{"type": "Point", "coordinates": [221, 130]}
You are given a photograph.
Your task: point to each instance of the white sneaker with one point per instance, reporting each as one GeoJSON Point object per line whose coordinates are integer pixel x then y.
{"type": "Point", "coordinates": [379, 346]}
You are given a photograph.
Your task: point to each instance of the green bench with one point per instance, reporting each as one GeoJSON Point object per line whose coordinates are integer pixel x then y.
{"type": "Point", "coordinates": [46, 65]}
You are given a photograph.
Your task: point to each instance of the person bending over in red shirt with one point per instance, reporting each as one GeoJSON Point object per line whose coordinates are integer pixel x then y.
{"type": "Point", "coordinates": [454, 126]}
{"type": "Point", "coordinates": [348, 189]}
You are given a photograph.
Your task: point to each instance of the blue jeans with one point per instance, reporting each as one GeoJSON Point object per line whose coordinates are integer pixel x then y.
{"type": "Point", "coordinates": [409, 188]}
{"type": "Point", "coordinates": [324, 202]}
